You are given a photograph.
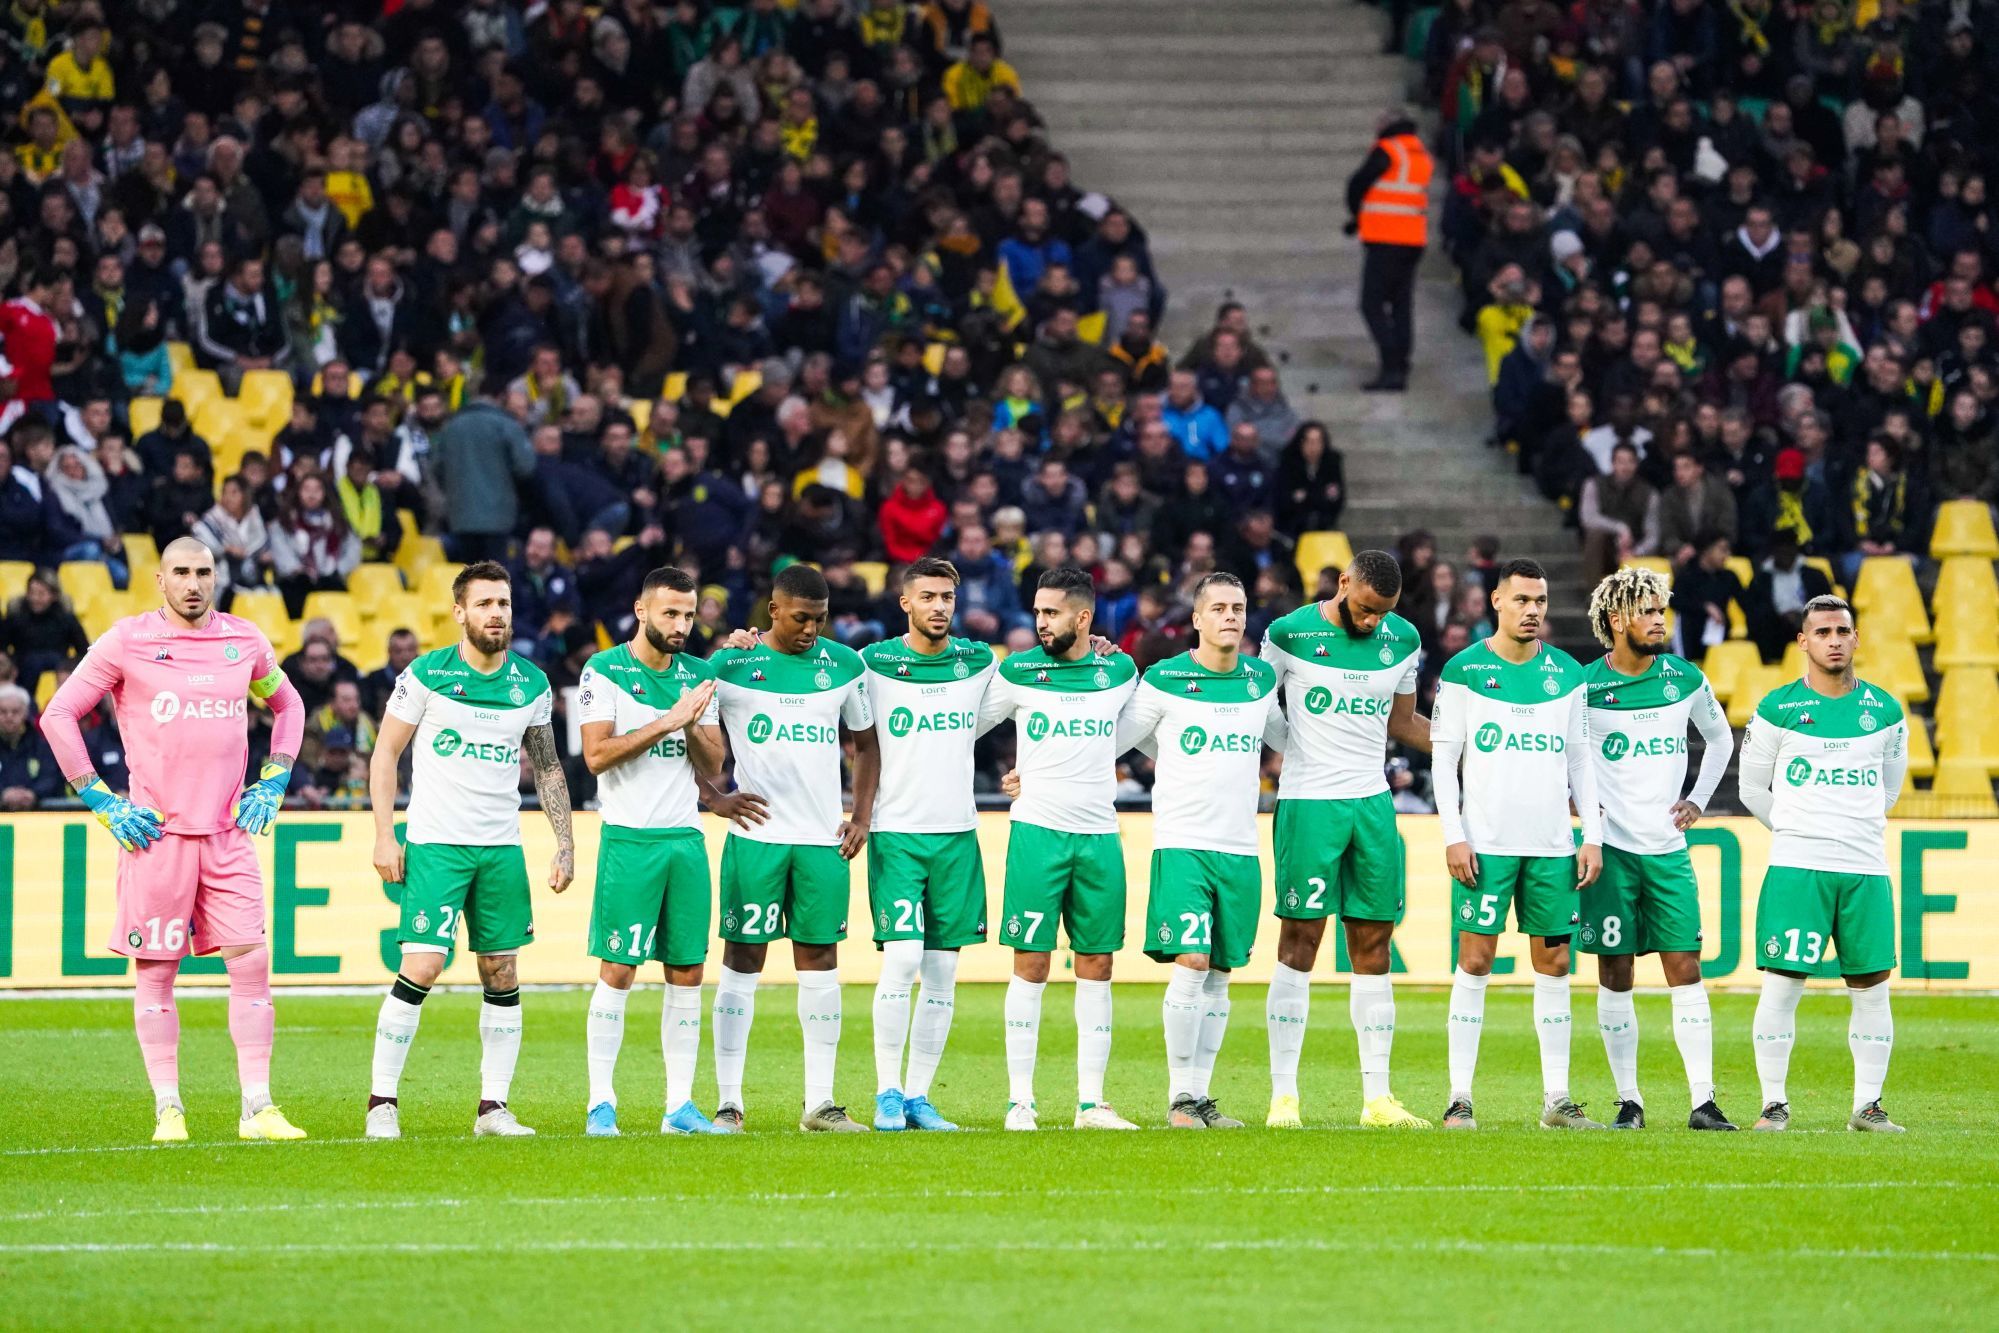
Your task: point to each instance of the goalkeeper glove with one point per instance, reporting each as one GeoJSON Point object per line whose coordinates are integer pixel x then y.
{"type": "Point", "coordinates": [258, 805]}
{"type": "Point", "coordinates": [136, 827]}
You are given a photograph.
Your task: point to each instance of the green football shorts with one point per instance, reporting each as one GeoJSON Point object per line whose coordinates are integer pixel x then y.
{"type": "Point", "coordinates": [485, 887]}
{"type": "Point", "coordinates": [1800, 912]}
{"type": "Point", "coordinates": [1339, 858]}
{"type": "Point", "coordinates": [781, 890]}
{"type": "Point", "coordinates": [1641, 904]}
{"type": "Point", "coordinates": [653, 897]}
{"type": "Point", "coordinates": [1076, 878]}
{"type": "Point", "coordinates": [1540, 890]}
{"type": "Point", "coordinates": [929, 887]}
{"type": "Point", "coordinates": [1205, 903]}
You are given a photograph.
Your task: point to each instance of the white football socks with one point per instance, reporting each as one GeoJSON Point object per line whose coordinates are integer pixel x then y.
{"type": "Point", "coordinates": [1776, 1031]}
{"type": "Point", "coordinates": [819, 1016]}
{"type": "Point", "coordinates": [1552, 1024]}
{"type": "Point", "coordinates": [932, 1025]}
{"type": "Point", "coordinates": [1870, 1032]}
{"type": "Point", "coordinates": [1693, 1033]}
{"type": "Point", "coordinates": [499, 1043]}
{"type": "Point", "coordinates": [1214, 1027]}
{"type": "Point", "coordinates": [1285, 1008]}
{"type": "Point", "coordinates": [900, 961]}
{"type": "Point", "coordinates": [1617, 1020]}
{"type": "Point", "coordinates": [735, 1010]}
{"type": "Point", "coordinates": [1467, 1022]}
{"type": "Point", "coordinates": [1180, 1014]}
{"type": "Point", "coordinates": [1093, 1039]}
{"type": "Point", "coordinates": [603, 1033]}
{"type": "Point", "coordinates": [1371, 1007]}
{"type": "Point", "coordinates": [1023, 1035]}
{"type": "Point", "coordinates": [395, 1031]}
{"type": "Point", "coordinates": [680, 1042]}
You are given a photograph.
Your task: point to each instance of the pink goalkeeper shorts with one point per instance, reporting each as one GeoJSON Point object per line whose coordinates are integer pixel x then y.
{"type": "Point", "coordinates": [189, 895]}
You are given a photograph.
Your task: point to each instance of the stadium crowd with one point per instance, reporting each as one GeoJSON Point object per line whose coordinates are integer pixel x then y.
{"type": "Point", "coordinates": [591, 288]}
{"type": "Point", "coordinates": [1731, 263]}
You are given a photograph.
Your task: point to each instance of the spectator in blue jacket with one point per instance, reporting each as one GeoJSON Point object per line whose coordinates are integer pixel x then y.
{"type": "Point", "coordinates": [546, 603]}
{"type": "Point", "coordinates": [1030, 250]}
{"type": "Point", "coordinates": [1198, 427]}
{"type": "Point", "coordinates": [1243, 480]}
{"type": "Point", "coordinates": [573, 497]}
{"type": "Point", "coordinates": [988, 600]}
{"type": "Point", "coordinates": [1054, 500]}
{"type": "Point", "coordinates": [705, 510]}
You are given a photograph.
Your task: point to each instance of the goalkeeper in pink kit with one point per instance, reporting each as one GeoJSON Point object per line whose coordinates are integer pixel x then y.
{"type": "Point", "coordinates": [180, 679]}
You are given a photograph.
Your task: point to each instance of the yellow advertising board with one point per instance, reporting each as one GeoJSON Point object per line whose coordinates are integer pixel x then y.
{"type": "Point", "coordinates": [333, 922]}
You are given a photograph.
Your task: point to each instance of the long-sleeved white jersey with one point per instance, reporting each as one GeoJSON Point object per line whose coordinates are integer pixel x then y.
{"type": "Point", "coordinates": [1822, 772]}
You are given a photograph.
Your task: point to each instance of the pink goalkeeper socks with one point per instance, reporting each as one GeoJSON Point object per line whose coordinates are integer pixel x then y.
{"type": "Point", "coordinates": [158, 1023]}
{"type": "Point", "coordinates": [252, 1023]}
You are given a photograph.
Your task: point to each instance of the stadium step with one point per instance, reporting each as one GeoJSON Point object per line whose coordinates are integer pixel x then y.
{"type": "Point", "coordinates": [1230, 129]}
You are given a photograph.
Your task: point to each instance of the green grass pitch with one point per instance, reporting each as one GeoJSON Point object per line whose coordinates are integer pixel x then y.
{"type": "Point", "coordinates": [1508, 1227]}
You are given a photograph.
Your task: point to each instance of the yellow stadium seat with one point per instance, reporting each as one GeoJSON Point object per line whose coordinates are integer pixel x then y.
{"type": "Point", "coordinates": [1824, 566]}
{"type": "Point", "coordinates": [45, 690]}
{"type": "Point", "coordinates": [142, 558]}
{"type": "Point", "coordinates": [1794, 661]}
{"type": "Point", "coordinates": [195, 387]}
{"type": "Point", "coordinates": [1317, 550]}
{"type": "Point", "coordinates": [181, 357]}
{"type": "Point", "coordinates": [260, 387]}
{"type": "Point", "coordinates": [1886, 596]}
{"type": "Point", "coordinates": [1738, 624]}
{"type": "Point", "coordinates": [1750, 688]}
{"type": "Point", "coordinates": [1966, 590]}
{"type": "Point", "coordinates": [1922, 757]}
{"type": "Point", "coordinates": [417, 554]}
{"type": "Point", "coordinates": [338, 607]}
{"type": "Point", "coordinates": [402, 610]}
{"type": "Point", "coordinates": [1726, 664]}
{"type": "Point", "coordinates": [1967, 696]}
{"type": "Point", "coordinates": [1658, 564]}
{"type": "Point", "coordinates": [14, 576]}
{"type": "Point", "coordinates": [1964, 527]}
{"type": "Point", "coordinates": [143, 415]}
{"type": "Point", "coordinates": [435, 585]}
{"type": "Point", "coordinates": [218, 418]}
{"type": "Point", "coordinates": [265, 609]}
{"type": "Point", "coordinates": [1892, 663]}
{"type": "Point", "coordinates": [1968, 785]}
{"type": "Point", "coordinates": [1975, 741]}
{"type": "Point", "coordinates": [873, 575]}
{"type": "Point", "coordinates": [372, 584]}
{"type": "Point", "coordinates": [85, 583]}
{"type": "Point", "coordinates": [1966, 643]}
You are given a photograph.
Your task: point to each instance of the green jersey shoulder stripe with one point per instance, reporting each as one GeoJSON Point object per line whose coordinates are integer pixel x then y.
{"type": "Point", "coordinates": [1182, 676]}
{"type": "Point", "coordinates": [960, 660]}
{"type": "Point", "coordinates": [1307, 635]}
{"type": "Point", "coordinates": [1036, 670]}
{"type": "Point", "coordinates": [512, 685]}
{"type": "Point", "coordinates": [660, 689]}
{"type": "Point", "coordinates": [824, 666]}
{"type": "Point", "coordinates": [1667, 680]}
{"type": "Point", "coordinates": [1549, 674]}
{"type": "Point", "coordinates": [1864, 709]}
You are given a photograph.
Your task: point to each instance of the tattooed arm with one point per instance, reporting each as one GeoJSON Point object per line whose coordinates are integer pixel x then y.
{"type": "Point", "coordinates": [553, 789]}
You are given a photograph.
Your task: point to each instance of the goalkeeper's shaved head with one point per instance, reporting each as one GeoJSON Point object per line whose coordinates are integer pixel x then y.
{"type": "Point", "coordinates": [186, 549]}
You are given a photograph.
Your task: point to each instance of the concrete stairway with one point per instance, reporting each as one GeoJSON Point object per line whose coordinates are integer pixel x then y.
{"type": "Point", "coordinates": [1229, 128]}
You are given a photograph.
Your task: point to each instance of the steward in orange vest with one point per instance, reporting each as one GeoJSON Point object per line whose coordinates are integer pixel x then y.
{"type": "Point", "coordinates": [1389, 199]}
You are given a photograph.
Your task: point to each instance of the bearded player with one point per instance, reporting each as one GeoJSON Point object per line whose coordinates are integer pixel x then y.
{"type": "Point", "coordinates": [188, 880]}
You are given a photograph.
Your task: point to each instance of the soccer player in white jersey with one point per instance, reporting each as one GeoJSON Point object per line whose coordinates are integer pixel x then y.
{"type": "Point", "coordinates": [1063, 859]}
{"type": "Point", "coordinates": [1641, 699]}
{"type": "Point", "coordinates": [1348, 670]}
{"type": "Point", "coordinates": [1822, 765]}
{"type": "Point", "coordinates": [472, 709]}
{"type": "Point", "coordinates": [1205, 716]}
{"type": "Point", "coordinates": [651, 729]}
{"type": "Point", "coordinates": [926, 880]}
{"type": "Point", "coordinates": [1513, 709]}
{"type": "Point", "coordinates": [785, 702]}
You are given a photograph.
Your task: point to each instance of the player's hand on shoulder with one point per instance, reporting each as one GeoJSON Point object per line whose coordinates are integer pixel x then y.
{"type": "Point", "coordinates": [1010, 784]}
{"type": "Point", "coordinates": [1589, 864]}
{"type": "Point", "coordinates": [1103, 647]}
{"type": "Point", "coordinates": [1685, 815]}
{"type": "Point", "coordinates": [1462, 862]}
{"type": "Point", "coordinates": [744, 809]}
{"type": "Point", "coordinates": [742, 638]}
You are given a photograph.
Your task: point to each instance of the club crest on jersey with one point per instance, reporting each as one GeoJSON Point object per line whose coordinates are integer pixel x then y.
{"type": "Point", "coordinates": [421, 924]}
{"type": "Point", "coordinates": [136, 940]}
{"type": "Point", "coordinates": [1671, 691]}
{"type": "Point", "coordinates": [1464, 913]}
{"type": "Point", "coordinates": [229, 653]}
{"type": "Point", "coordinates": [516, 696]}
{"type": "Point", "coordinates": [1254, 689]}
{"type": "Point", "coordinates": [1771, 948]}
{"type": "Point", "coordinates": [1551, 685]}
{"type": "Point", "coordinates": [1102, 678]}
{"type": "Point", "coordinates": [728, 921]}
{"type": "Point", "coordinates": [1867, 722]}
{"type": "Point", "coordinates": [822, 680]}
{"type": "Point", "coordinates": [1586, 935]}
{"type": "Point", "coordinates": [617, 942]}
{"type": "Point", "coordinates": [1013, 927]}
{"type": "Point", "coordinates": [882, 918]}
{"type": "Point", "coordinates": [1291, 897]}
{"type": "Point", "coordinates": [1387, 655]}
{"type": "Point", "coordinates": [959, 669]}
{"type": "Point", "coordinates": [1165, 933]}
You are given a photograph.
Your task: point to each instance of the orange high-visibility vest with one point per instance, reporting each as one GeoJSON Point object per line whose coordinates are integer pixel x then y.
{"type": "Point", "coordinates": [1396, 209]}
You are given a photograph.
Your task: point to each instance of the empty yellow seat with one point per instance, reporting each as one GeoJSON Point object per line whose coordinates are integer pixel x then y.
{"type": "Point", "coordinates": [1964, 527]}
{"type": "Point", "coordinates": [1824, 566]}
{"type": "Point", "coordinates": [1317, 551]}
{"type": "Point", "coordinates": [1725, 664]}
{"type": "Point", "coordinates": [85, 583]}
{"type": "Point", "coordinates": [1967, 785]}
{"type": "Point", "coordinates": [403, 610]}
{"type": "Point", "coordinates": [266, 610]}
{"type": "Point", "coordinates": [338, 607]}
{"type": "Point", "coordinates": [143, 415]}
{"type": "Point", "coordinates": [14, 576]}
{"type": "Point", "coordinates": [1658, 564]}
{"type": "Point", "coordinates": [1794, 661]}
{"type": "Point", "coordinates": [372, 584]}
{"type": "Point", "coordinates": [45, 690]}
{"type": "Point", "coordinates": [1973, 740]}
{"type": "Point", "coordinates": [873, 575]}
{"type": "Point", "coordinates": [195, 387]}
{"type": "Point", "coordinates": [435, 586]}
{"type": "Point", "coordinates": [1966, 590]}
{"type": "Point", "coordinates": [1966, 695]}
{"type": "Point", "coordinates": [1886, 597]}
{"type": "Point", "coordinates": [1922, 757]}
{"type": "Point", "coordinates": [1892, 663]}
{"type": "Point", "coordinates": [417, 553]}
{"type": "Point", "coordinates": [264, 393]}
{"type": "Point", "coordinates": [1967, 643]}
{"type": "Point", "coordinates": [181, 357]}
{"type": "Point", "coordinates": [1750, 687]}
{"type": "Point", "coordinates": [218, 418]}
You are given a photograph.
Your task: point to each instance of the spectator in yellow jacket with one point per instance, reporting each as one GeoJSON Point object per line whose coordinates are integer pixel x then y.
{"type": "Point", "coordinates": [969, 84]}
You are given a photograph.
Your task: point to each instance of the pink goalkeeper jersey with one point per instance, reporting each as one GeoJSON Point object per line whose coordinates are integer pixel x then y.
{"type": "Point", "coordinates": [182, 700]}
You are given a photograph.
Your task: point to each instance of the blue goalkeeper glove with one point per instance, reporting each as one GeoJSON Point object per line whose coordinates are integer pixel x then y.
{"type": "Point", "coordinates": [136, 827]}
{"type": "Point", "coordinates": [258, 805]}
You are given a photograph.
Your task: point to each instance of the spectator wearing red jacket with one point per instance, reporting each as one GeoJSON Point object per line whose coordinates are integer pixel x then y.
{"type": "Point", "coordinates": [28, 333]}
{"type": "Point", "coordinates": [912, 517]}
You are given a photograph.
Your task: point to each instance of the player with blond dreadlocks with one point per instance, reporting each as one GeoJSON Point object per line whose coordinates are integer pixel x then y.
{"type": "Point", "coordinates": [1641, 699]}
